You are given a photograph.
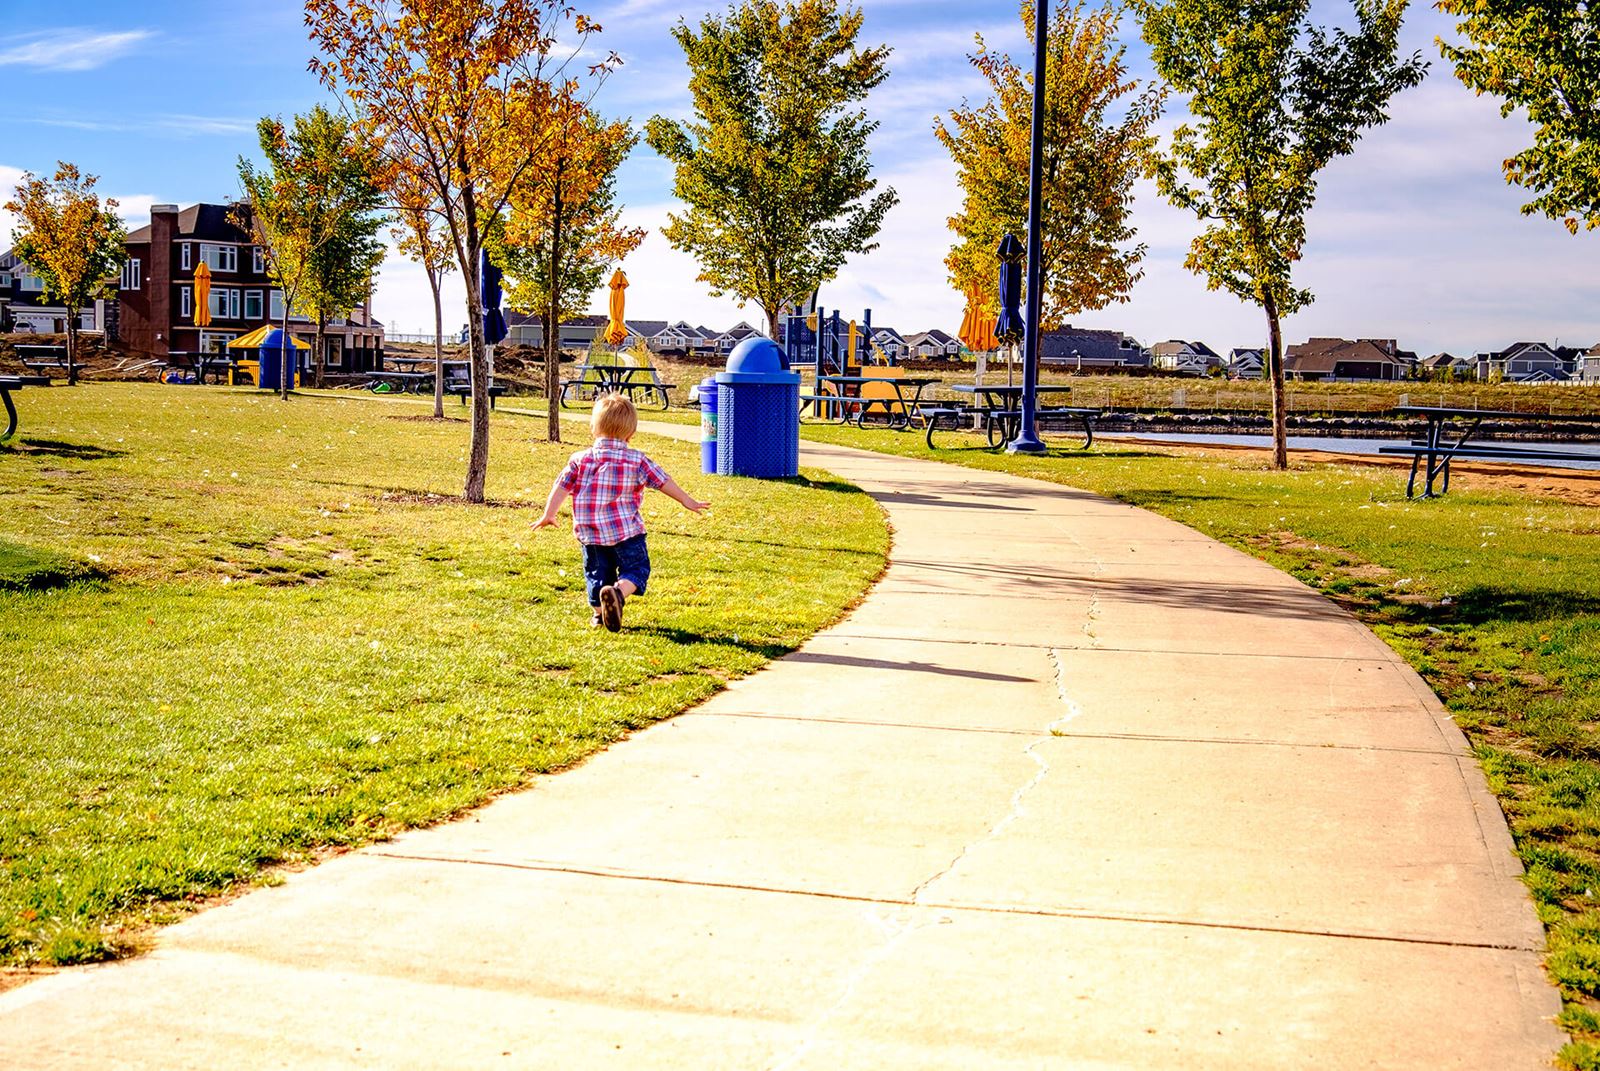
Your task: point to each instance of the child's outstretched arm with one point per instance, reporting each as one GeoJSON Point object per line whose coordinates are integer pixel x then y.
{"type": "Point", "coordinates": [552, 506]}
{"type": "Point", "coordinates": [672, 490]}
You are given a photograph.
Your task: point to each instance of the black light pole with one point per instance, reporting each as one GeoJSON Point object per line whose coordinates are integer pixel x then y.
{"type": "Point", "coordinates": [1027, 440]}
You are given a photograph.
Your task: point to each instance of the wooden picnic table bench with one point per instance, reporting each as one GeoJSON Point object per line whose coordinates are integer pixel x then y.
{"type": "Point", "coordinates": [615, 379]}
{"type": "Point", "coordinates": [8, 384]}
{"type": "Point", "coordinates": [1437, 448]}
{"type": "Point", "coordinates": [999, 412]}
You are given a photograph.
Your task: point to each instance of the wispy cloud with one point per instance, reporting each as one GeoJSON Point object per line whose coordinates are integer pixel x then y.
{"type": "Point", "coordinates": [171, 125]}
{"type": "Point", "coordinates": [72, 49]}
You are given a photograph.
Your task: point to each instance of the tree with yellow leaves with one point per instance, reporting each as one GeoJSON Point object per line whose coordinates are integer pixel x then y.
{"type": "Point", "coordinates": [70, 239]}
{"type": "Point", "coordinates": [564, 231]}
{"type": "Point", "coordinates": [471, 95]}
{"type": "Point", "coordinates": [1090, 164]}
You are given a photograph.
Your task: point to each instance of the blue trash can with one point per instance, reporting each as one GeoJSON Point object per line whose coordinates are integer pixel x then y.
{"type": "Point", "coordinates": [708, 425]}
{"type": "Point", "coordinates": [758, 413]}
{"type": "Point", "coordinates": [273, 347]}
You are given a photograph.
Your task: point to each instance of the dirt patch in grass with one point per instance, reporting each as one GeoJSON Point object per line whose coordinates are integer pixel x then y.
{"type": "Point", "coordinates": [429, 498]}
{"type": "Point", "coordinates": [428, 418]}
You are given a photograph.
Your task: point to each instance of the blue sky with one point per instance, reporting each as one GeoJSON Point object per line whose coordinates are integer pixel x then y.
{"type": "Point", "coordinates": [1415, 237]}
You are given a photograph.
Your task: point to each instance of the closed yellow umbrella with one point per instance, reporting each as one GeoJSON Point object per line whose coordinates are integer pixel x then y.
{"type": "Point", "coordinates": [983, 337]}
{"type": "Point", "coordinates": [617, 330]}
{"type": "Point", "coordinates": [977, 324]}
{"type": "Point", "coordinates": [202, 295]}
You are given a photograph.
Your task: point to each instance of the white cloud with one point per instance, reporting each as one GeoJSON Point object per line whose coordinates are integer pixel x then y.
{"type": "Point", "coordinates": [9, 177]}
{"type": "Point", "coordinates": [72, 49]}
{"type": "Point", "coordinates": [171, 125]}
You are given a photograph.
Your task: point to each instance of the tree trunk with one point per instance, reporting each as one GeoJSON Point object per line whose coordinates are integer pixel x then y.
{"type": "Point", "coordinates": [478, 366]}
{"type": "Point", "coordinates": [285, 354]}
{"type": "Point", "coordinates": [438, 346]}
{"type": "Point", "coordinates": [552, 331]}
{"type": "Point", "coordinates": [321, 351]}
{"type": "Point", "coordinates": [772, 322]}
{"type": "Point", "coordinates": [72, 346]}
{"type": "Point", "coordinates": [1280, 418]}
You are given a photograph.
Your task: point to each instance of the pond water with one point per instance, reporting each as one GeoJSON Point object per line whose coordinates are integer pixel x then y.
{"type": "Point", "coordinates": [1337, 445]}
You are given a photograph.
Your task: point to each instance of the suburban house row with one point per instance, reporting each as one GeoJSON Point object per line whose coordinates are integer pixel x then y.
{"type": "Point", "coordinates": [152, 312]}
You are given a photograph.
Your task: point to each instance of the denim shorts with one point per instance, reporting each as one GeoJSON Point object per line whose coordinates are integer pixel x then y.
{"type": "Point", "coordinates": [602, 565]}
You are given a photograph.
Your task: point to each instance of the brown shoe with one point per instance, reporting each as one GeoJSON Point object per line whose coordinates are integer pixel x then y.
{"type": "Point", "coordinates": [611, 601]}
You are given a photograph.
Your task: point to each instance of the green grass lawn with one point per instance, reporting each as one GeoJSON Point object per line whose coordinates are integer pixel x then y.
{"type": "Point", "coordinates": [235, 630]}
{"type": "Point", "coordinates": [1494, 597]}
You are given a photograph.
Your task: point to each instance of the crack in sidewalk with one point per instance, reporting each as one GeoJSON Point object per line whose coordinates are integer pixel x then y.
{"type": "Point", "coordinates": [900, 926]}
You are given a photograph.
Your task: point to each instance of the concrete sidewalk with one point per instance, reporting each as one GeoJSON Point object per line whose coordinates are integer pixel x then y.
{"type": "Point", "coordinates": [1075, 787]}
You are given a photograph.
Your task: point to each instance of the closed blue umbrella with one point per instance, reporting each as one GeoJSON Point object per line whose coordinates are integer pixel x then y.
{"type": "Point", "coordinates": [1008, 325]}
{"type": "Point", "coordinates": [494, 322]}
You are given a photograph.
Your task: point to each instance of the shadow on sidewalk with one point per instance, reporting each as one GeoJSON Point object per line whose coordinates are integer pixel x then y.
{"type": "Point", "coordinates": [909, 667]}
{"type": "Point", "coordinates": [1257, 600]}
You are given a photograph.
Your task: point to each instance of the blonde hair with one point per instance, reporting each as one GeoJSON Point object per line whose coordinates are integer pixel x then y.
{"type": "Point", "coordinates": [614, 417]}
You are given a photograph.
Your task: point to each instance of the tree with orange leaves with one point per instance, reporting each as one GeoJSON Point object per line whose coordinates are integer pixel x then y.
{"type": "Point", "coordinates": [564, 231]}
{"type": "Point", "coordinates": [70, 239]}
{"type": "Point", "coordinates": [1090, 164]}
{"type": "Point", "coordinates": [471, 96]}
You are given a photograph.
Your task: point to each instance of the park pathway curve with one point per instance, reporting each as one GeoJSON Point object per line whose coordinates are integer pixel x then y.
{"type": "Point", "coordinates": [1075, 787]}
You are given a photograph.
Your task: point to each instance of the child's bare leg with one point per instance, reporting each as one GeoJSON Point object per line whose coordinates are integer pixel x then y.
{"type": "Point", "coordinates": [627, 587]}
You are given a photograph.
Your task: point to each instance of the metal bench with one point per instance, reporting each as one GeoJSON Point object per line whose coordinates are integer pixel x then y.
{"type": "Point", "coordinates": [14, 383]}
{"type": "Point", "coordinates": [999, 423]}
{"type": "Point", "coordinates": [1439, 459]}
{"type": "Point", "coordinates": [458, 381]}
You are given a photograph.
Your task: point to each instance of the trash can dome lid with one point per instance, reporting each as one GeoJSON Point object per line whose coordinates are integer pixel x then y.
{"type": "Point", "coordinates": [756, 355]}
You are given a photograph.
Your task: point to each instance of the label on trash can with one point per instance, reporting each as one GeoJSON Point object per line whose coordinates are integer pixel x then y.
{"type": "Point", "coordinates": [708, 425]}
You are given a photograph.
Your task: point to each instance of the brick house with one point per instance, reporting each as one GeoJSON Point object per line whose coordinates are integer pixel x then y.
{"type": "Point", "coordinates": [156, 298]}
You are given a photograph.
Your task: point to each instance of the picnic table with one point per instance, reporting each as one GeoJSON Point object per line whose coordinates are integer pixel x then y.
{"type": "Point", "coordinates": [16, 383]}
{"type": "Point", "coordinates": [398, 382]}
{"type": "Point", "coordinates": [216, 366]}
{"type": "Point", "coordinates": [411, 364]}
{"type": "Point", "coordinates": [844, 406]}
{"type": "Point", "coordinates": [39, 357]}
{"type": "Point", "coordinates": [999, 408]}
{"type": "Point", "coordinates": [616, 379]}
{"type": "Point", "coordinates": [458, 381]}
{"type": "Point", "coordinates": [1447, 435]}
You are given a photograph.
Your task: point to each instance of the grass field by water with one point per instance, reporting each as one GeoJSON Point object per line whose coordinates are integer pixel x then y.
{"type": "Point", "coordinates": [1493, 597]}
{"type": "Point", "coordinates": [235, 631]}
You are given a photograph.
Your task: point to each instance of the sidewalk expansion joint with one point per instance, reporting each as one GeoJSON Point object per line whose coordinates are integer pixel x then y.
{"type": "Point", "coordinates": [1078, 914]}
{"type": "Point", "coordinates": [842, 634]}
{"type": "Point", "coordinates": [1069, 734]}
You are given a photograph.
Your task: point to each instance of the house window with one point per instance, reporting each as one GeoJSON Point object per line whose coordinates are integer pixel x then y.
{"type": "Point", "coordinates": [186, 255]}
{"type": "Point", "coordinates": [275, 307]}
{"type": "Point", "coordinates": [215, 341]}
{"type": "Point", "coordinates": [252, 304]}
{"type": "Point", "coordinates": [258, 259]}
{"type": "Point", "coordinates": [131, 274]}
{"type": "Point", "coordinates": [185, 302]}
{"type": "Point", "coordinates": [5, 280]}
{"type": "Point", "coordinates": [32, 282]}
{"type": "Point", "coordinates": [220, 257]}
{"type": "Point", "coordinates": [224, 303]}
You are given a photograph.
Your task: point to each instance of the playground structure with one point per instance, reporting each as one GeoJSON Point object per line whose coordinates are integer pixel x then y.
{"type": "Point", "coordinates": [829, 344]}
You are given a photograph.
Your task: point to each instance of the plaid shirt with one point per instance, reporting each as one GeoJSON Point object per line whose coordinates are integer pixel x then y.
{"type": "Point", "coordinates": [607, 482]}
